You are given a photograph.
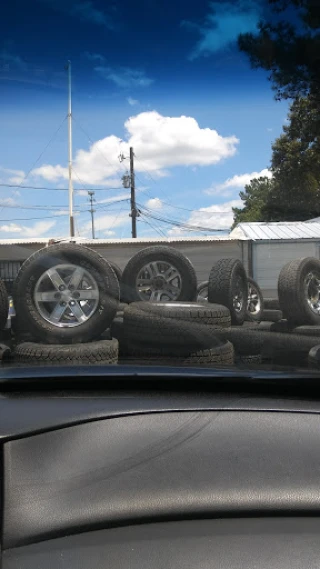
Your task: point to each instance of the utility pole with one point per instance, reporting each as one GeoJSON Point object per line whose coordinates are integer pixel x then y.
{"type": "Point", "coordinates": [134, 212]}
{"type": "Point", "coordinates": [92, 211]}
{"type": "Point", "coordinates": [70, 152]}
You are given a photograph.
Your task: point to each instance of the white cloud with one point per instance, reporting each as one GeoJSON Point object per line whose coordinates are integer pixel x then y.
{"type": "Point", "coordinates": [159, 143]}
{"type": "Point", "coordinates": [124, 77]}
{"type": "Point", "coordinates": [223, 24]}
{"type": "Point", "coordinates": [8, 202]}
{"type": "Point", "coordinates": [105, 224]}
{"type": "Point", "coordinates": [132, 101]}
{"type": "Point", "coordinates": [11, 228]}
{"type": "Point", "coordinates": [218, 217]}
{"type": "Point", "coordinates": [154, 203]}
{"type": "Point", "coordinates": [10, 176]}
{"type": "Point", "coordinates": [237, 181]}
{"type": "Point", "coordinates": [38, 229]}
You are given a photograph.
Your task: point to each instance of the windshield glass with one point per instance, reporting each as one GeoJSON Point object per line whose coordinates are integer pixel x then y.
{"type": "Point", "coordinates": [159, 183]}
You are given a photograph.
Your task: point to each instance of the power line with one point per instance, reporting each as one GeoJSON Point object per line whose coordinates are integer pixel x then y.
{"type": "Point", "coordinates": [56, 189]}
{"type": "Point", "coordinates": [32, 218]}
{"type": "Point", "coordinates": [153, 227]}
{"type": "Point", "coordinates": [186, 226]}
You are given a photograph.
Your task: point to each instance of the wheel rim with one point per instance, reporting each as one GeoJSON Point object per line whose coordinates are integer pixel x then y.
{"type": "Point", "coordinates": [254, 302]}
{"type": "Point", "coordinates": [238, 295]}
{"type": "Point", "coordinates": [66, 295]}
{"type": "Point", "coordinates": [312, 291]}
{"type": "Point", "coordinates": [159, 281]}
{"type": "Point", "coordinates": [203, 294]}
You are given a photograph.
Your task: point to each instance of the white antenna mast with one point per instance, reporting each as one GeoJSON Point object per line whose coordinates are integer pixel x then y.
{"type": "Point", "coordinates": [70, 152]}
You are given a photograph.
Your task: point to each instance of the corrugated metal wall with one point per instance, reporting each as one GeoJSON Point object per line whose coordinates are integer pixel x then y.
{"type": "Point", "coordinates": [270, 256]}
{"type": "Point", "coordinates": [202, 254]}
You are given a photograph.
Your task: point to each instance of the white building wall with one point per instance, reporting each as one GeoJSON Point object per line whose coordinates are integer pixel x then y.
{"type": "Point", "coordinates": [268, 258]}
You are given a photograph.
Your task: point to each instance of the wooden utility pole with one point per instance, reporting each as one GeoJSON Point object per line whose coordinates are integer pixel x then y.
{"type": "Point", "coordinates": [92, 211]}
{"type": "Point", "coordinates": [71, 218]}
{"type": "Point", "coordinates": [134, 212]}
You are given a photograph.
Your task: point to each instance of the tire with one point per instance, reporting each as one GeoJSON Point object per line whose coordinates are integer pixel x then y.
{"type": "Point", "coordinates": [299, 281]}
{"type": "Point", "coordinates": [254, 342]}
{"type": "Point", "coordinates": [36, 314]}
{"type": "Point", "coordinates": [222, 354]}
{"type": "Point", "coordinates": [117, 331]}
{"type": "Point", "coordinates": [249, 360]}
{"type": "Point", "coordinates": [314, 357]}
{"type": "Point", "coordinates": [281, 326]}
{"type": "Point", "coordinates": [103, 352]}
{"type": "Point", "coordinates": [255, 301]}
{"type": "Point", "coordinates": [175, 324]}
{"type": "Point", "coordinates": [116, 269]}
{"type": "Point", "coordinates": [307, 330]}
{"type": "Point", "coordinates": [271, 303]}
{"type": "Point", "coordinates": [202, 292]}
{"type": "Point", "coordinates": [228, 286]}
{"type": "Point", "coordinates": [271, 316]}
{"type": "Point", "coordinates": [185, 282]}
{"type": "Point", "coordinates": [264, 326]}
{"type": "Point", "coordinates": [4, 305]}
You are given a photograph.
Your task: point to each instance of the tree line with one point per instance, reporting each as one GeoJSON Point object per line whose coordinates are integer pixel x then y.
{"type": "Point", "coordinates": [288, 47]}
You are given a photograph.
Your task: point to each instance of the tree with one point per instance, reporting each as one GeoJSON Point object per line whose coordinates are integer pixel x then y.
{"type": "Point", "coordinates": [293, 193]}
{"type": "Point", "coordinates": [288, 47]}
{"type": "Point", "coordinates": [255, 197]}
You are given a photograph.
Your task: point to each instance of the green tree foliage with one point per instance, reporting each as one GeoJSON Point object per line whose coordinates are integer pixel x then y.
{"type": "Point", "coordinates": [288, 47]}
{"type": "Point", "coordinates": [293, 193]}
{"type": "Point", "coordinates": [254, 197]}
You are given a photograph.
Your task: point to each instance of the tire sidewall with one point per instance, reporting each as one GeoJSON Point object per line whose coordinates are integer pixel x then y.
{"type": "Point", "coordinates": [238, 271]}
{"type": "Point", "coordinates": [307, 266]}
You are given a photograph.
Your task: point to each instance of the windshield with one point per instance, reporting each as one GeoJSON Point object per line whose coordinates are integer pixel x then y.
{"type": "Point", "coordinates": [159, 183]}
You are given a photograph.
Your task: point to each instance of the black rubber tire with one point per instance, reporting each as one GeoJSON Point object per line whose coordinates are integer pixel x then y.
{"type": "Point", "coordinates": [254, 342]}
{"type": "Point", "coordinates": [271, 303]}
{"type": "Point", "coordinates": [202, 286]}
{"type": "Point", "coordinates": [104, 352]}
{"type": "Point", "coordinates": [264, 326]}
{"type": "Point", "coordinates": [281, 326]}
{"type": "Point", "coordinates": [4, 305]}
{"type": "Point", "coordinates": [249, 360]}
{"type": "Point", "coordinates": [118, 332]}
{"type": "Point", "coordinates": [176, 324]}
{"type": "Point", "coordinates": [159, 253]}
{"type": "Point", "coordinates": [307, 330]}
{"type": "Point", "coordinates": [222, 354]}
{"type": "Point", "coordinates": [292, 299]}
{"type": "Point", "coordinates": [116, 269]}
{"type": "Point", "coordinates": [42, 260]}
{"type": "Point", "coordinates": [257, 316]}
{"type": "Point", "coordinates": [271, 316]}
{"type": "Point", "coordinates": [222, 282]}
{"type": "Point", "coordinates": [314, 357]}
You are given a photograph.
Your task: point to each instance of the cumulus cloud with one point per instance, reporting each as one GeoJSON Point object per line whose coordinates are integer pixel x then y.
{"type": "Point", "coordinates": [154, 203]}
{"type": "Point", "coordinates": [237, 181]}
{"type": "Point", "coordinates": [11, 228]}
{"type": "Point", "coordinates": [223, 24]}
{"type": "Point", "coordinates": [219, 217]}
{"type": "Point", "coordinates": [10, 176]}
{"type": "Point", "coordinates": [124, 77]}
{"type": "Point", "coordinates": [159, 143]}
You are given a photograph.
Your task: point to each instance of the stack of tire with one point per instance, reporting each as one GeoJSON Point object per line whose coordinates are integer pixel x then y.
{"type": "Point", "coordinates": [66, 297]}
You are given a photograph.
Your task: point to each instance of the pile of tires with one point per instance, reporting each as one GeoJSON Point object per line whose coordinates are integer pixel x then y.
{"type": "Point", "coordinates": [65, 296]}
{"type": "Point", "coordinates": [177, 333]}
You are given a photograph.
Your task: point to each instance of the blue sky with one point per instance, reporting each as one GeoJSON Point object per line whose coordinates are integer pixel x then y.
{"type": "Point", "coordinates": [164, 77]}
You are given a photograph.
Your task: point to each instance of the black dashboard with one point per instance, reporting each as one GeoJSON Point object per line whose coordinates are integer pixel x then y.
{"type": "Point", "coordinates": [130, 471]}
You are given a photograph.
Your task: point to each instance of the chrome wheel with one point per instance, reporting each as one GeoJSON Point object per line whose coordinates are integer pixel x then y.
{"type": "Point", "coordinates": [203, 294]}
{"type": "Point", "coordinates": [312, 291]}
{"type": "Point", "coordinates": [238, 295]}
{"type": "Point", "coordinates": [254, 301]}
{"type": "Point", "coordinates": [66, 295]}
{"type": "Point", "coordinates": [159, 281]}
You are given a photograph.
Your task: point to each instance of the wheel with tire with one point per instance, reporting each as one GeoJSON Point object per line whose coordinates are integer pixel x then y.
{"type": "Point", "coordinates": [4, 305]}
{"type": "Point", "coordinates": [66, 294]}
{"type": "Point", "coordinates": [255, 301]}
{"type": "Point", "coordinates": [175, 323]}
{"type": "Point", "coordinates": [228, 286]}
{"type": "Point", "coordinates": [102, 352]}
{"type": "Point", "coordinates": [271, 316]}
{"type": "Point", "coordinates": [299, 291]}
{"type": "Point", "coordinates": [159, 274]}
{"type": "Point", "coordinates": [271, 303]}
{"type": "Point", "coordinates": [202, 292]}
